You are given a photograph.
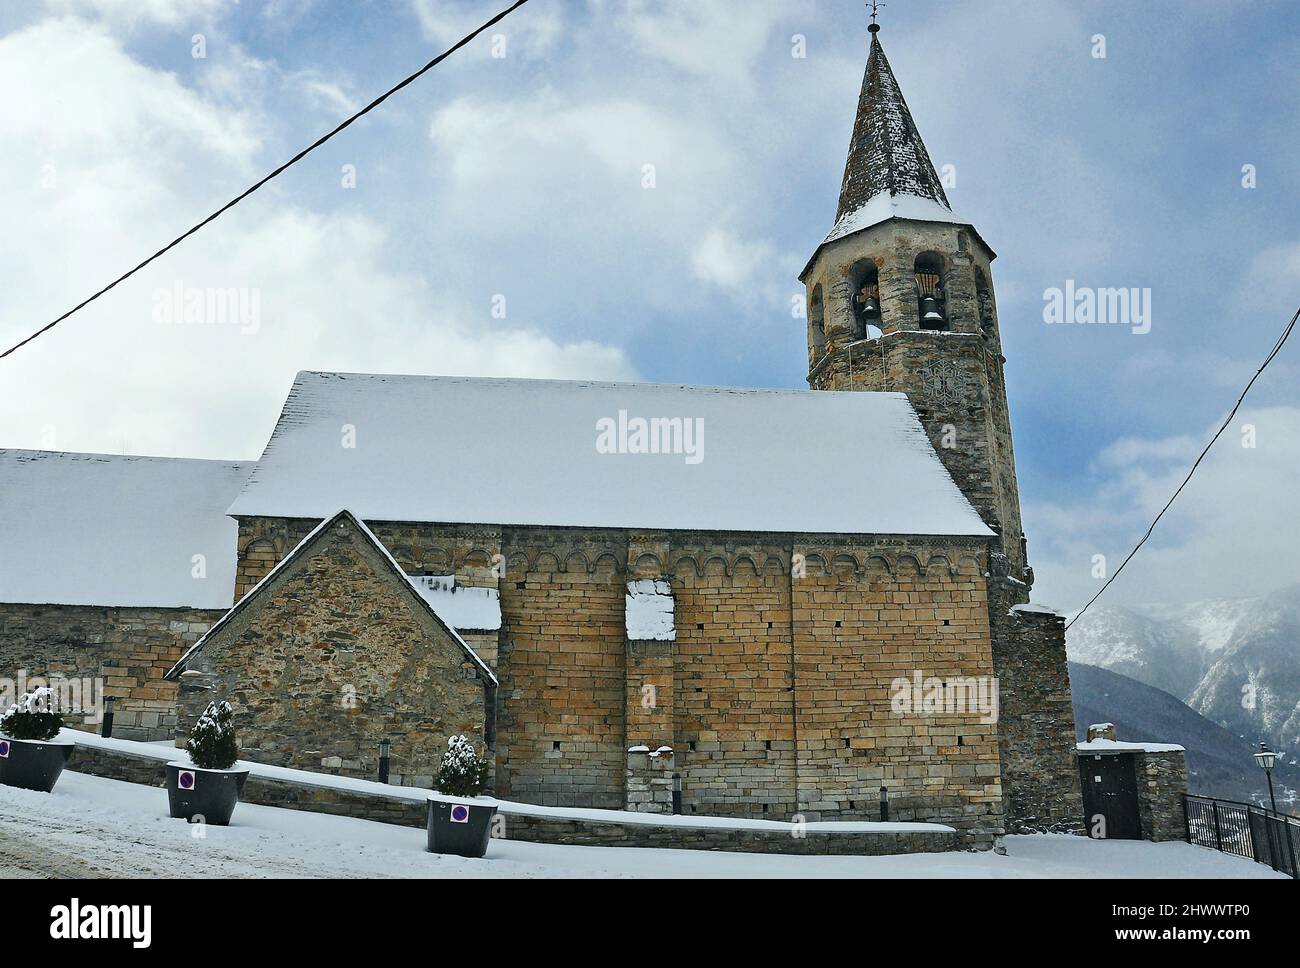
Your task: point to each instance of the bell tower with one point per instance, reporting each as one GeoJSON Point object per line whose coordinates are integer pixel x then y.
{"type": "Point", "coordinates": [900, 298]}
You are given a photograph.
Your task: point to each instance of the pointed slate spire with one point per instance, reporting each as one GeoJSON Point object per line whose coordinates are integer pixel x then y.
{"type": "Point", "coordinates": [886, 155]}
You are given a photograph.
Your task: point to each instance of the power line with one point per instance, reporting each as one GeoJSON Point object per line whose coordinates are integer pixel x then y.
{"type": "Point", "coordinates": [1277, 348]}
{"type": "Point", "coordinates": [468, 38]}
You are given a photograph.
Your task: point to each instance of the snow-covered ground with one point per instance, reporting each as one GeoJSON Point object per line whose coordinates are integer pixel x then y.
{"type": "Point", "coordinates": [93, 827]}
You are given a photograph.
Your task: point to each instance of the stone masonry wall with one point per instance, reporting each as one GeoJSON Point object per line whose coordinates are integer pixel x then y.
{"type": "Point", "coordinates": [1040, 778]}
{"type": "Point", "coordinates": [1162, 783]}
{"type": "Point", "coordinates": [128, 649]}
{"type": "Point", "coordinates": [333, 656]}
{"type": "Point", "coordinates": [562, 664]}
{"type": "Point", "coordinates": [734, 704]}
{"type": "Point", "coordinates": [547, 830]}
{"type": "Point", "coordinates": [746, 742]}
{"type": "Point", "coordinates": [866, 619]}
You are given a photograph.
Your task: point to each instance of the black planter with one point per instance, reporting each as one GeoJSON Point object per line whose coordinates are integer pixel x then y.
{"type": "Point", "coordinates": [32, 764]}
{"type": "Point", "coordinates": [208, 796]}
{"type": "Point", "coordinates": [460, 829]}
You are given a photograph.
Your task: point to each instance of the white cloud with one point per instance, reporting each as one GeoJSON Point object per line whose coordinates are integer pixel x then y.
{"type": "Point", "coordinates": [530, 31]}
{"type": "Point", "coordinates": [571, 177]}
{"type": "Point", "coordinates": [1231, 532]}
{"type": "Point", "coordinates": [137, 156]}
{"type": "Point", "coordinates": [324, 94]}
{"type": "Point", "coordinates": [715, 40]}
{"type": "Point", "coordinates": [723, 259]}
{"type": "Point", "coordinates": [167, 13]}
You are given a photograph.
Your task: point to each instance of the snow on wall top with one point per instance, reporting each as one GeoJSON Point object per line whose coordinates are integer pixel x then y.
{"type": "Point", "coordinates": [555, 453]}
{"type": "Point", "coordinates": [1112, 746]}
{"type": "Point", "coordinates": [92, 529]}
{"type": "Point", "coordinates": [648, 615]}
{"type": "Point", "coordinates": [464, 608]}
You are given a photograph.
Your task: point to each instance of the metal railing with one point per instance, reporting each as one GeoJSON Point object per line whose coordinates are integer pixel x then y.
{"type": "Point", "coordinates": [1246, 830]}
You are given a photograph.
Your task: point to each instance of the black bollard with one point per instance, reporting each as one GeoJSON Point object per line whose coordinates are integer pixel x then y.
{"type": "Point", "coordinates": [383, 761]}
{"type": "Point", "coordinates": [884, 805]}
{"type": "Point", "coordinates": [106, 726]}
{"type": "Point", "coordinates": [677, 794]}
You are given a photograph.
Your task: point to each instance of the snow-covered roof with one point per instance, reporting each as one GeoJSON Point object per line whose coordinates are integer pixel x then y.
{"type": "Point", "coordinates": [485, 671]}
{"type": "Point", "coordinates": [463, 608]}
{"type": "Point", "coordinates": [529, 452]}
{"type": "Point", "coordinates": [886, 206]}
{"type": "Point", "coordinates": [1113, 746]}
{"type": "Point", "coordinates": [98, 529]}
{"type": "Point", "coordinates": [1036, 608]}
{"type": "Point", "coordinates": [648, 614]}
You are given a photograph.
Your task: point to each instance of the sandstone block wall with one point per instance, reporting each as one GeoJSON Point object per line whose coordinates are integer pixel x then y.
{"type": "Point", "coordinates": [562, 664]}
{"type": "Point", "coordinates": [864, 623]}
{"type": "Point", "coordinates": [775, 696]}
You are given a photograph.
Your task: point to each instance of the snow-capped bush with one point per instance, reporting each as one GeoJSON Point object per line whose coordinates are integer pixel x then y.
{"type": "Point", "coordinates": [34, 716]}
{"type": "Point", "coordinates": [463, 772]}
{"type": "Point", "coordinates": [212, 744]}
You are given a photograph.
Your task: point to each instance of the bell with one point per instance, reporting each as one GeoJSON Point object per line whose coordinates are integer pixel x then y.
{"type": "Point", "coordinates": [930, 311]}
{"type": "Point", "coordinates": [871, 308]}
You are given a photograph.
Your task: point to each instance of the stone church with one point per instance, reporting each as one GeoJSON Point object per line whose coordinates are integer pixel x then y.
{"type": "Point", "coordinates": [794, 601]}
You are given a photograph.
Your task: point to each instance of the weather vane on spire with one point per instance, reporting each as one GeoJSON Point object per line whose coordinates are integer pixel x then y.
{"type": "Point", "coordinates": [875, 6]}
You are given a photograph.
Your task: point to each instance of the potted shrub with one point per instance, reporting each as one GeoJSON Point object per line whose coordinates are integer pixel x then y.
{"type": "Point", "coordinates": [31, 755]}
{"type": "Point", "coordinates": [207, 788]}
{"type": "Point", "coordinates": [460, 826]}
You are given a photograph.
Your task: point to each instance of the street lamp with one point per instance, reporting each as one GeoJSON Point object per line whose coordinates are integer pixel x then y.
{"type": "Point", "coordinates": [1266, 759]}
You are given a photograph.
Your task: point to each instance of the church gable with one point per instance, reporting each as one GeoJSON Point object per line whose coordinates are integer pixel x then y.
{"type": "Point", "coordinates": [336, 651]}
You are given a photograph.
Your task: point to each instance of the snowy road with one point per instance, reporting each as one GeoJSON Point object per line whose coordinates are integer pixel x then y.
{"type": "Point", "coordinates": [92, 827]}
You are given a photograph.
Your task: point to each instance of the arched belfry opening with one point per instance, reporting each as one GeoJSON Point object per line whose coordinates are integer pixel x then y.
{"type": "Point", "coordinates": [930, 295]}
{"type": "Point", "coordinates": [864, 282]}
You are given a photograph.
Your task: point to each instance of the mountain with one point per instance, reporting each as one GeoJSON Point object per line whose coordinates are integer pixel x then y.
{"type": "Point", "coordinates": [1219, 761]}
{"type": "Point", "coordinates": [1236, 661]}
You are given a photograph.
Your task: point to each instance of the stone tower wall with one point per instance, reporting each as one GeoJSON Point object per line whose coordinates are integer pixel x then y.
{"type": "Point", "coordinates": [954, 379]}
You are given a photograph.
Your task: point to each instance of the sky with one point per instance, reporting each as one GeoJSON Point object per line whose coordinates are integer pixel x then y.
{"type": "Point", "coordinates": [496, 219]}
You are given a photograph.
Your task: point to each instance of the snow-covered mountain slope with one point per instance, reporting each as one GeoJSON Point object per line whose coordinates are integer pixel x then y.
{"type": "Point", "coordinates": [1218, 760]}
{"type": "Point", "coordinates": [1236, 662]}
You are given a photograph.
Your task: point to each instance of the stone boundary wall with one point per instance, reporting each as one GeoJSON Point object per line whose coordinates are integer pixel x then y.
{"type": "Point", "coordinates": [1040, 773]}
{"type": "Point", "coordinates": [586, 833]}
{"type": "Point", "coordinates": [1162, 781]}
{"type": "Point", "coordinates": [543, 830]}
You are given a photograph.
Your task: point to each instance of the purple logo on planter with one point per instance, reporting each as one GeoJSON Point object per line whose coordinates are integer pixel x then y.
{"type": "Point", "coordinates": [4, 749]}
{"type": "Point", "coordinates": [186, 780]}
{"type": "Point", "coordinates": [460, 813]}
